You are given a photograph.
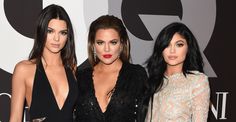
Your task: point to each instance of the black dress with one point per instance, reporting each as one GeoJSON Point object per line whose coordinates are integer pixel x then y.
{"type": "Point", "coordinates": [126, 101]}
{"type": "Point", "coordinates": [44, 105]}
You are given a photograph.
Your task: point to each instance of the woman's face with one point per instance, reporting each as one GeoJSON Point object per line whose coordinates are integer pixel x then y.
{"type": "Point", "coordinates": [107, 46]}
{"type": "Point", "coordinates": [56, 36]}
{"type": "Point", "coordinates": [175, 54]}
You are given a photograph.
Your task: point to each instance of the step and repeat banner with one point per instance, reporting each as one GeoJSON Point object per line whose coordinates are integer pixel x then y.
{"type": "Point", "coordinates": [211, 21]}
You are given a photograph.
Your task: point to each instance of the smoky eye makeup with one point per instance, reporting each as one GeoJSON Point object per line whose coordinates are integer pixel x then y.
{"type": "Point", "coordinates": [99, 42]}
{"type": "Point", "coordinates": [114, 42]}
{"type": "Point", "coordinates": [64, 32]}
{"type": "Point", "coordinates": [180, 43]}
{"type": "Point", "coordinates": [49, 30]}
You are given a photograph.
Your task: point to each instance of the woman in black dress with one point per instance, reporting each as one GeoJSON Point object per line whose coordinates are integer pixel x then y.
{"type": "Point", "coordinates": [46, 80]}
{"type": "Point", "coordinates": [112, 89]}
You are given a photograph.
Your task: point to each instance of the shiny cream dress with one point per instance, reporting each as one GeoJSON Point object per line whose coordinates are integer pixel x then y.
{"type": "Point", "coordinates": [181, 99]}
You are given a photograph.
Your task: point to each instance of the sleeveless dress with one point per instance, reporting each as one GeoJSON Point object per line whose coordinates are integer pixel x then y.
{"type": "Point", "coordinates": [44, 106]}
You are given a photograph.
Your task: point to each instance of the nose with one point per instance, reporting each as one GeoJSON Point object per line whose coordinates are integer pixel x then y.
{"type": "Point", "coordinates": [172, 49]}
{"type": "Point", "coordinates": [107, 48]}
{"type": "Point", "coordinates": [56, 37]}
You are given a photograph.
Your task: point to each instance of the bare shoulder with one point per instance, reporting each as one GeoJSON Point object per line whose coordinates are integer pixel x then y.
{"type": "Point", "coordinates": [25, 67]}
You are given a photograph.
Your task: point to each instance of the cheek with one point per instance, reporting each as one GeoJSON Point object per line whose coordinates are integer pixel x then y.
{"type": "Point", "coordinates": [64, 39]}
{"type": "Point", "coordinates": [64, 43]}
{"type": "Point", "coordinates": [164, 56]}
{"type": "Point", "coordinates": [165, 59]}
{"type": "Point", "coordinates": [165, 53]}
{"type": "Point", "coordinates": [117, 50]}
{"type": "Point", "coordinates": [49, 38]}
{"type": "Point", "coordinates": [97, 48]}
{"type": "Point", "coordinates": [184, 53]}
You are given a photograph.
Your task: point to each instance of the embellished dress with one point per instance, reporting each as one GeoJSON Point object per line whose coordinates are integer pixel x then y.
{"type": "Point", "coordinates": [181, 99]}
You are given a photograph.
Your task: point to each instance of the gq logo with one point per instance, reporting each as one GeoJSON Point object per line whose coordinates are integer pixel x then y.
{"type": "Point", "coordinates": [144, 20]}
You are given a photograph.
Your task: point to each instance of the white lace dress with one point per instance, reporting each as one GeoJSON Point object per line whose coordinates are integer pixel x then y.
{"type": "Point", "coordinates": [181, 99]}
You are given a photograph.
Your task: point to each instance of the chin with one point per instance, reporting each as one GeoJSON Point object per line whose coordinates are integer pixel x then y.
{"type": "Point", "coordinates": [55, 52]}
{"type": "Point", "coordinates": [175, 63]}
{"type": "Point", "coordinates": [108, 62]}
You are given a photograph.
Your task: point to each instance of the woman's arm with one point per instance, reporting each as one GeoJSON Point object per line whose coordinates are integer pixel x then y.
{"type": "Point", "coordinates": [201, 99]}
{"type": "Point", "coordinates": [143, 98]}
{"type": "Point", "coordinates": [18, 93]}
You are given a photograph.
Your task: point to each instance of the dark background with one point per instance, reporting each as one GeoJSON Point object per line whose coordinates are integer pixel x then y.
{"type": "Point", "coordinates": [221, 53]}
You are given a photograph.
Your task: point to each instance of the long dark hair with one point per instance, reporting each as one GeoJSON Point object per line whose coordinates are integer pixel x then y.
{"type": "Point", "coordinates": [68, 52]}
{"type": "Point", "coordinates": [108, 22]}
{"type": "Point", "coordinates": [156, 64]}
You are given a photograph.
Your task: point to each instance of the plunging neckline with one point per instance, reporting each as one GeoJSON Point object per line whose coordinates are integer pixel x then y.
{"type": "Point", "coordinates": [51, 90]}
{"type": "Point", "coordinates": [112, 96]}
{"type": "Point", "coordinates": [96, 100]}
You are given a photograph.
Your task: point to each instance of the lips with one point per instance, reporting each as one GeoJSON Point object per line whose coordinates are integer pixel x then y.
{"type": "Point", "coordinates": [107, 56]}
{"type": "Point", "coordinates": [172, 57]}
{"type": "Point", "coordinates": [55, 45]}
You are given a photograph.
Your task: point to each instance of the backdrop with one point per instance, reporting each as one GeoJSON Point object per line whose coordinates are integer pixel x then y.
{"type": "Point", "coordinates": [212, 22]}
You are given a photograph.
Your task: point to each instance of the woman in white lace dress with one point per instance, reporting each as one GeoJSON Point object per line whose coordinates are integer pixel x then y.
{"type": "Point", "coordinates": [179, 89]}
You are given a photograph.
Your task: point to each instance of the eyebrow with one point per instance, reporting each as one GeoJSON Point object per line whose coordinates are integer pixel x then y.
{"type": "Point", "coordinates": [99, 40]}
{"type": "Point", "coordinates": [109, 40]}
{"type": "Point", "coordinates": [114, 40]}
{"type": "Point", "coordinates": [180, 41]}
{"type": "Point", "coordinates": [60, 30]}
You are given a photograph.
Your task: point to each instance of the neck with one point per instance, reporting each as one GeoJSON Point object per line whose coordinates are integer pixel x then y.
{"type": "Point", "coordinates": [109, 67]}
{"type": "Point", "coordinates": [170, 70]}
{"type": "Point", "coordinates": [52, 59]}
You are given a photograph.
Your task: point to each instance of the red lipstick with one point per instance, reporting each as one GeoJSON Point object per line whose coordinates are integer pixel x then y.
{"type": "Point", "coordinates": [107, 56]}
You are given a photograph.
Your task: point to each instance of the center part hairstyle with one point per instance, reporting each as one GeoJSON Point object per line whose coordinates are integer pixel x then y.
{"type": "Point", "coordinates": [68, 52]}
{"type": "Point", "coordinates": [156, 64]}
{"type": "Point", "coordinates": [108, 22]}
